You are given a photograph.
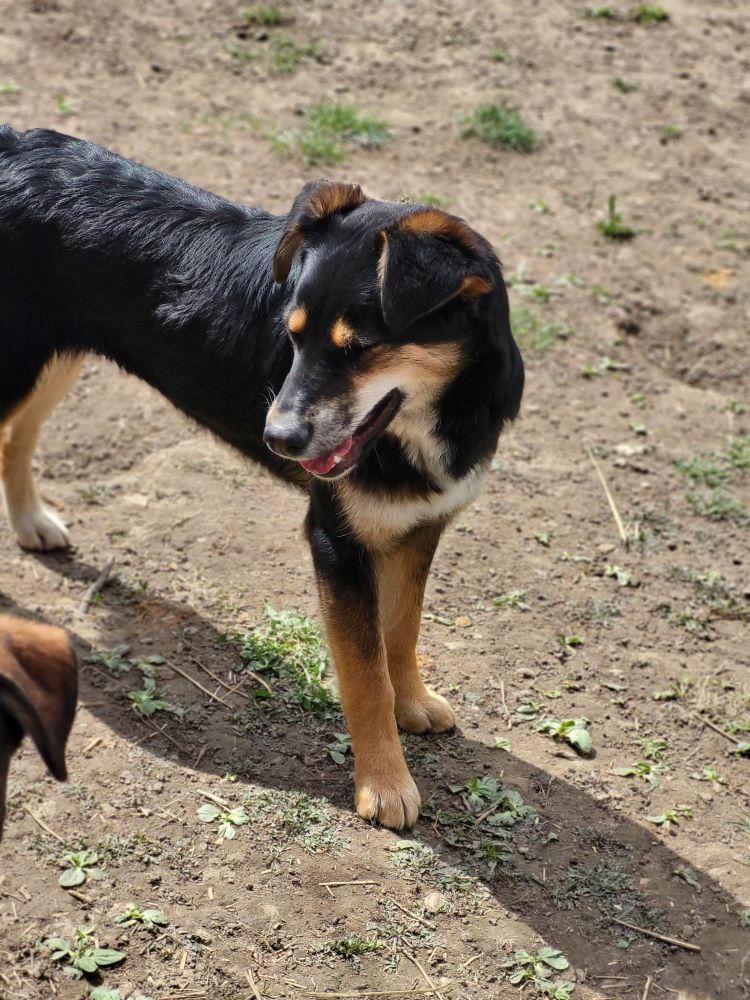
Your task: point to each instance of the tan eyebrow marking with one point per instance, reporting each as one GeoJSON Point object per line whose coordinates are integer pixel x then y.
{"type": "Point", "coordinates": [297, 320]}
{"type": "Point", "coordinates": [341, 333]}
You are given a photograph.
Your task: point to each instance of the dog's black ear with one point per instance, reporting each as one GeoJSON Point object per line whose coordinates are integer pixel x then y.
{"type": "Point", "coordinates": [38, 691]}
{"type": "Point", "coordinates": [316, 202]}
{"type": "Point", "coordinates": [428, 259]}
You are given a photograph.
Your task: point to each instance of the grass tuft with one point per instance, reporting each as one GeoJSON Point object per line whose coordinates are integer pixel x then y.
{"type": "Point", "coordinates": [267, 17]}
{"type": "Point", "coordinates": [648, 13]}
{"type": "Point", "coordinates": [533, 334]}
{"type": "Point", "coordinates": [287, 54]}
{"type": "Point", "coordinates": [330, 131]}
{"type": "Point", "coordinates": [613, 227]}
{"type": "Point", "coordinates": [500, 127]}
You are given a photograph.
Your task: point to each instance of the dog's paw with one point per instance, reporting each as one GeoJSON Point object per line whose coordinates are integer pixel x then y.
{"type": "Point", "coordinates": [40, 530]}
{"type": "Point", "coordinates": [391, 801]}
{"type": "Point", "coordinates": [424, 713]}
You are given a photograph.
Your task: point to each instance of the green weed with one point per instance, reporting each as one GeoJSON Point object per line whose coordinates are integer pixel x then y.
{"type": "Point", "coordinates": [613, 227]}
{"type": "Point", "coordinates": [669, 133]}
{"type": "Point", "coordinates": [288, 55]}
{"type": "Point", "coordinates": [624, 86]}
{"type": "Point", "coordinates": [533, 334]}
{"type": "Point", "coordinates": [575, 732]}
{"type": "Point", "coordinates": [719, 505]}
{"type": "Point", "coordinates": [150, 919]}
{"type": "Point", "coordinates": [10, 88]}
{"type": "Point", "coordinates": [648, 13]}
{"type": "Point", "coordinates": [64, 106]}
{"type": "Point", "coordinates": [512, 599]}
{"type": "Point", "coordinates": [79, 867]}
{"type": "Point", "coordinates": [290, 648]}
{"type": "Point", "coordinates": [671, 817]}
{"type": "Point", "coordinates": [330, 131]}
{"type": "Point", "coordinates": [80, 957]}
{"type": "Point", "coordinates": [500, 127]}
{"type": "Point", "coordinates": [601, 13]}
{"type": "Point", "coordinates": [228, 819]}
{"type": "Point", "coordinates": [536, 970]}
{"type": "Point", "coordinates": [267, 17]}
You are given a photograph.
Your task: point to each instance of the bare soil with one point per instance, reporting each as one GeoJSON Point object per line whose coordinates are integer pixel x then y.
{"type": "Point", "coordinates": [648, 361]}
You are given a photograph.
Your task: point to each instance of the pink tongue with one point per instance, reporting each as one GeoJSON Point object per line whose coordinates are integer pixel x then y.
{"type": "Point", "coordinates": [325, 463]}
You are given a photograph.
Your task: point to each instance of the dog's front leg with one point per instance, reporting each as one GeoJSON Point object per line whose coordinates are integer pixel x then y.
{"type": "Point", "coordinates": [385, 790]}
{"type": "Point", "coordinates": [402, 575]}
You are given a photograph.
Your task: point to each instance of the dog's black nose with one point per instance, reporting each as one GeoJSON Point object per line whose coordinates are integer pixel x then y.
{"type": "Point", "coordinates": [287, 437]}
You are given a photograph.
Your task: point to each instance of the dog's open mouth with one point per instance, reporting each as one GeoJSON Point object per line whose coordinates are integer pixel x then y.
{"type": "Point", "coordinates": [347, 454]}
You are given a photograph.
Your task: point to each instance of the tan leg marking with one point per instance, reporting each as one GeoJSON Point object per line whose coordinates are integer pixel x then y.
{"type": "Point", "coordinates": [36, 527]}
{"type": "Point", "coordinates": [384, 789]}
{"type": "Point", "coordinates": [402, 575]}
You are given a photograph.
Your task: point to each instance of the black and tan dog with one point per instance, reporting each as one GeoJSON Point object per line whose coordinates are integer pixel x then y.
{"type": "Point", "coordinates": [379, 330]}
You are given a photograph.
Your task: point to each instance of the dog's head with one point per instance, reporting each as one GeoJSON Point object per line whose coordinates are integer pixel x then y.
{"type": "Point", "coordinates": [38, 687]}
{"type": "Point", "coordinates": [387, 303]}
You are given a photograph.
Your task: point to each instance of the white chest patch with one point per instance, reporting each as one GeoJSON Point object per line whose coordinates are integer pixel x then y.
{"type": "Point", "coordinates": [378, 520]}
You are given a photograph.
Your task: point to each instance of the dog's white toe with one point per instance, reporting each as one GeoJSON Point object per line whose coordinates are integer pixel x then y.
{"type": "Point", "coordinates": [41, 531]}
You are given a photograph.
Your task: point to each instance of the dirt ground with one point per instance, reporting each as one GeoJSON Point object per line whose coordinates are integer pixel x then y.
{"type": "Point", "coordinates": [638, 355]}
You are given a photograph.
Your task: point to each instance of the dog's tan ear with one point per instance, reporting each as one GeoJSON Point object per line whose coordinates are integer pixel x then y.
{"type": "Point", "coordinates": [38, 691]}
{"type": "Point", "coordinates": [428, 259]}
{"type": "Point", "coordinates": [316, 202]}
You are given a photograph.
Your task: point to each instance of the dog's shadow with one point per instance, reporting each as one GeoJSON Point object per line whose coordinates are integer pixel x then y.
{"type": "Point", "coordinates": [583, 841]}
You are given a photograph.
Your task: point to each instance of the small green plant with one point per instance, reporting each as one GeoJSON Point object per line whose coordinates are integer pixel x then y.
{"type": "Point", "coordinates": [624, 86]}
{"type": "Point", "coordinates": [572, 731]}
{"type": "Point", "coordinates": [500, 127]}
{"type": "Point", "coordinates": [689, 875]}
{"type": "Point", "coordinates": [498, 55]}
{"type": "Point", "coordinates": [80, 957]}
{"type": "Point", "coordinates": [64, 106]}
{"type": "Point", "coordinates": [267, 17]}
{"type": "Point", "coordinates": [330, 131]}
{"type": "Point", "coordinates": [711, 774]}
{"type": "Point", "coordinates": [601, 13]}
{"type": "Point", "coordinates": [669, 133]}
{"type": "Point", "coordinates": [613, 227]}
{"type": "Point", "coordinates": [528, 710]}
{"type": "Point", "coordinates": [744, 917]}
{"type": "Point", "coordinates": [10, 88]}
{"type": "Point", "coordinates": [288, 55]}
{"type": "Point", "coordinates": [653, 748]}
{"type": "Point", "coordinates": [80, 867]}
{"type": "Point", "coordinates": [676, 691]}
{"type": "Point", "coordinates": [352, 947]}
{"type": "Point", "coordinates": [719, 505]}
{"type": "Point", "coordinates": [229, 820]}
{"type": "Point", "coordinates": [648, 13]}
{"type": "Point", "coordinates": [340, 747]}
{"type": "Point", "coordinates": [533, 334]}
{"type": "Point", "coordinates": [540, 207]}
{"type": "Point", "coordinates": [149, 700]}
{"type": "Point", "coordinates": [291, 648]}
{"type": "Point", "coordinates": [569, 642]}
{"type": "Point", "coordinates": [512, 599]}
{"type": "Point", "coordinates": [525, 969]}
{"type": "Point", "coordinates": [479, 794]}
{"type": "Point", "coordinates": [671, 817]}
{"type": "Point", "coordinates": [644, 769]}
{"type": "Point", "coordinates": [150, 919]}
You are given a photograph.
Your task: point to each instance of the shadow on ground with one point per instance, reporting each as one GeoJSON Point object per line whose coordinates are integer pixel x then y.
{"type": "Point", "coordinates": [287, 752]}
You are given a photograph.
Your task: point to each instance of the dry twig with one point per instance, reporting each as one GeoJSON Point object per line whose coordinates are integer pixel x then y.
{"type": "Point", "coordinates": [96, 587]}
{"type": "Point", "coordinates": [658, 937]}
{"type": "Point", "coordinates": [610, 500]}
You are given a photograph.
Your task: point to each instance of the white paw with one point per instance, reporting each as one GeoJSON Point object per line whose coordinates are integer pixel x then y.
{"type": "Point", "coordinates": [40, 530]}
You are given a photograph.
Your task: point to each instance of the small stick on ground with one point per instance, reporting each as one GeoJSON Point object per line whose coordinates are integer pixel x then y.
{"type": "Point", "coordinates": [610, 500]}
{"type": "Point", "coordinates": [253, 987]}
{"type": "Point", "coordinates": [716, 729]}
{"type": "Point", "coordinates": [197, 684]}
{"type": "Point", "coordinates": [502, 699]}
{"type": "Point", "coordinates": [415, 960]}
{"type": "Point", "coordinates": [228, 687]}
{"type": "Point", "coordinates": [414, 916]}
{"type": "Point", "coordinates": [80, 897]}
{"type": "Point", "coordinates": [334, 884]}
{"type": "Point", "coordinates": [658, 937]}
{"type": "Point", "coordinates": [201, 754]}
{"type": "Point", "coordinates": [647, 989]}
{"type": "Point", "coordinates": [90, 746]}
{"type": "Point", "coordinates": [367, 993]}
{"type": "Point", "coordinates": [47, 829]}
{"type": "Point", "coordinates": [214, 798]}
{"type": "Point", "coordinates": [96, 587]}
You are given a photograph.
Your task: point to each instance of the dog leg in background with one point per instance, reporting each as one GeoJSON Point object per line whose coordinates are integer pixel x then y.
{"type": "Point", "coordinates": [402, 576]}
{"type": "Point", "coordinates": [36, 527]}
{"type": "Point", "coordinates": [38, 692]}
{"type": "Point", "coordinates": [384, 789]}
